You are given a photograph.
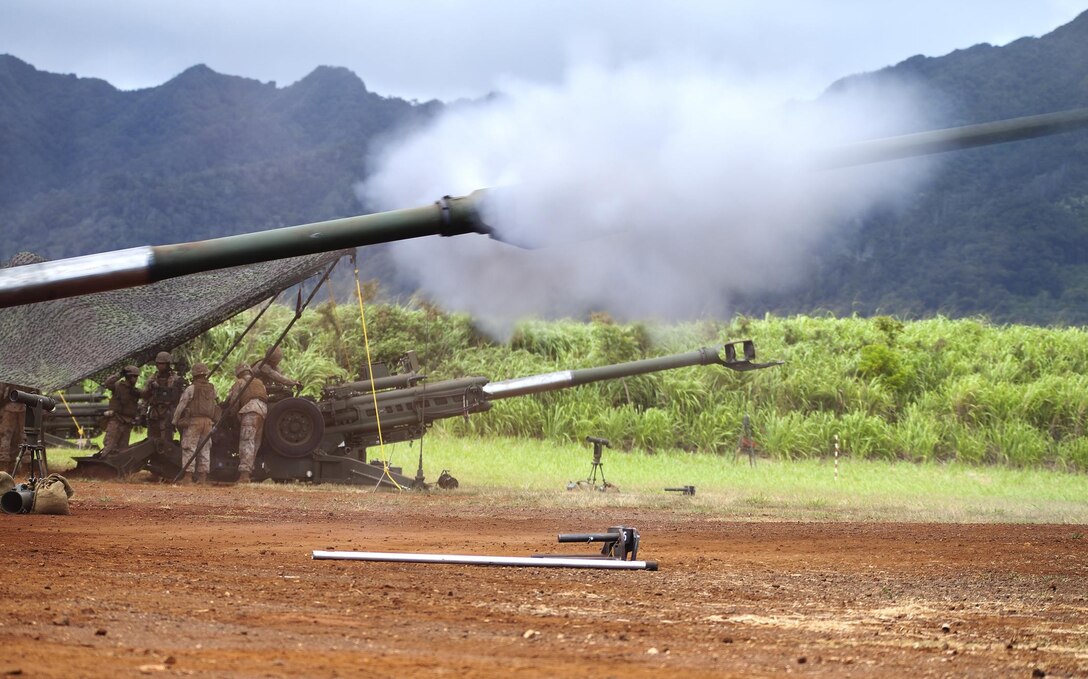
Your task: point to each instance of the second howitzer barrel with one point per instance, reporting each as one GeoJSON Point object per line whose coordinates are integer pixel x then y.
{"type": "Point", "coordinates": [572, 378]}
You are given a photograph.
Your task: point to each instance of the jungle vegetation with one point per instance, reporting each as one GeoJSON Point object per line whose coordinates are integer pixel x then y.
{"type": "Point", "coordinates": [967, 390]}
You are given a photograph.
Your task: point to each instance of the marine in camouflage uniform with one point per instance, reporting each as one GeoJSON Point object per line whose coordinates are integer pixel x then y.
{"type": "Point", "coordinates": [12, 429]}
{"type": "Point", "coordinates": [124, 408]}
{"type": "Point", "coordinates": [196, 412]}
{"type": "Point", "coordinates": [248, 395]}
{"type": "Point", "coordinates": [162, 394]}
{"type": "Point", "coordinates": [268, 370]}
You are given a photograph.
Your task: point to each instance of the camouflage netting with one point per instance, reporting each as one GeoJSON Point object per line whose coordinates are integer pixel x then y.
{"type": "Point", "coordinates": [51, 345]}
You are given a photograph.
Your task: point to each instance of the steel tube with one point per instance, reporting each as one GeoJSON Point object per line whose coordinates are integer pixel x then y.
{"type": "Point", "coordinates": [472, 560]}
{"type": "Point", "coordinates": [589, 537]}
{"type": "Point", "coordinates": [573, 378]}
{"type": "Point", "coordinates": [148, 264]}
{"type": "Point", "coordinates": [954, 138]}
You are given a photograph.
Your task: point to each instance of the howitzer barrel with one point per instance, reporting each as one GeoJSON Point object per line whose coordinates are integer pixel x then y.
{"type": "Point", "coordinates": [954, 138]}
{"type": "Point", "coordinates": [148, 264]}
{"type": "Point", "coordinates": [563, 379]}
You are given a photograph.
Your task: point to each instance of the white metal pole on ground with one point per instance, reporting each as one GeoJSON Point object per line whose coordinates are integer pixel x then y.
{"type": "Point", "coordinates": [471, 560]}
{"type": "Point", "coordinates": [836, 457]}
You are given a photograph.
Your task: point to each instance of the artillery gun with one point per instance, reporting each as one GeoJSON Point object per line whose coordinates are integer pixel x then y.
{"type": "Point", "coordinates": [326, 440]}
{"type": "Point", "coordinates": [26, 344]}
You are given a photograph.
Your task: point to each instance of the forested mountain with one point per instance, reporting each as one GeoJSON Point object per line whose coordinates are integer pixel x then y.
{"type": "Point", "coordinates": [87, 167]}
{"type": "Point", "coordinates": [1001, 231]}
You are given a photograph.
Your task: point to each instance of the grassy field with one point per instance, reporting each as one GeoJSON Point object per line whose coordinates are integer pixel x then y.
{"type": "Point", "coordinates": [536, 473]}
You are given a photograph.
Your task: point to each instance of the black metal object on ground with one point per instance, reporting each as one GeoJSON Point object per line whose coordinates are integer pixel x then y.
{"type": "Point", "coordinates": [683, 490]}
{"type": "Point", "coordinates": [618, 542]}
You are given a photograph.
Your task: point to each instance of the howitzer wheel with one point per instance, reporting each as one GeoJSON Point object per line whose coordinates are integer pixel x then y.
{"type": "Point", "coordinates": [294, 427]}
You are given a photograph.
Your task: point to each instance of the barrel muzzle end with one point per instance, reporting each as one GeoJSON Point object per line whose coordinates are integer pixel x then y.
{"type": "Point", "coordinates": [740, 356]}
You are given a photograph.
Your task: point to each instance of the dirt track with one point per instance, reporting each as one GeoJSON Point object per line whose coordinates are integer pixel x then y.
{"type": "Point", "coordinates": [145, 579]}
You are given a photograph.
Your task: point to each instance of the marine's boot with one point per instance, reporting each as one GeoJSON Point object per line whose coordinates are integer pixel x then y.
{"type": "Point", "coordinates": [243, 477]}
{"type": "Point", "coordinates": [202, 477]}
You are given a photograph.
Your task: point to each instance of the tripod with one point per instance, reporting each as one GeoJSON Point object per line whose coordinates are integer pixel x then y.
{"type": "Point", "coordinates": [39, 466]}
{"type": "Point", "coordinates": [597, 465]}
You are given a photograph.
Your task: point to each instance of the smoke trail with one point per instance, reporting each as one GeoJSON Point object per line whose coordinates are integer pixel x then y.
{"type": "Point", "coordinates": [660, 191]}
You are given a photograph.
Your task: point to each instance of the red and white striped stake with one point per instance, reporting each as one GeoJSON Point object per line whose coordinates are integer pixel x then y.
{"type": "Point", "coordinates": [836, 457]}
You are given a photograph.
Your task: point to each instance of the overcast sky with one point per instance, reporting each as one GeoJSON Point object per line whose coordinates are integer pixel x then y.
{"type": "Point", "coordinates": [447, 49]}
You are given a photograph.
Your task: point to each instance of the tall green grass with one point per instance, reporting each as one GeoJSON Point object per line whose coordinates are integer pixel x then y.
{"type": "Point", "coordinates": [936, 390]}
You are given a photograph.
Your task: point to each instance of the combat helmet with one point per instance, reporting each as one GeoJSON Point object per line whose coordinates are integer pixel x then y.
{"type": "Point", "coordinates": [242, 367]}
{"type": "Point", "coordinates": [164, 357]}
{"type": "Point", "coordinates": [130, 371]}
{"type": "Point", "coordinates": [201, 370]}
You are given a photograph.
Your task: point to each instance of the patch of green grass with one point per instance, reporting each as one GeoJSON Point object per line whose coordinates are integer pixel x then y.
{"type": "Point", "coordinates": [804, 489]}
{"type": "Point", "coordinates": [532, 472]}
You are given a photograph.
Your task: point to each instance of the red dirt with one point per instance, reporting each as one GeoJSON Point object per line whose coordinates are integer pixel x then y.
{"type": "Point", "coordinates": [147, 579]}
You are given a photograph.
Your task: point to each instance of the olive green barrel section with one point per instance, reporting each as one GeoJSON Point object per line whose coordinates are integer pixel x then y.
{"type": "Point", "coordinates": [954, 138]}
{"type": "Point", "coordinates": [139, 266]}
{"type": "Point", "coordinates": [724, 355]}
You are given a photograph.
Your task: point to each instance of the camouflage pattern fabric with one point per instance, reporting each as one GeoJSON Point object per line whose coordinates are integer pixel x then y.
{"type": "Point", "coordinates": [51, 345]}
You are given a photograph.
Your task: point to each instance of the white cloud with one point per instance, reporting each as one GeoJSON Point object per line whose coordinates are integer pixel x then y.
{"type": "Point", "coordinates": [661, 189]}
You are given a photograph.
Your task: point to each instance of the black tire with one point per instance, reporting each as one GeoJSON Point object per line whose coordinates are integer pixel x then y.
{"type": "Point", "coordinates": [293, 428]}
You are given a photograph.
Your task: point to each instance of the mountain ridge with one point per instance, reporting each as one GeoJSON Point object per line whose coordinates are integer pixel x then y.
{"type": "Point", "coordinates": [1001, 231]}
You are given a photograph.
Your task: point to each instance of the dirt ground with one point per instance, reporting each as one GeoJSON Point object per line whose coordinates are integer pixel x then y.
{"type": "Point", "coordinates": [146, 579]}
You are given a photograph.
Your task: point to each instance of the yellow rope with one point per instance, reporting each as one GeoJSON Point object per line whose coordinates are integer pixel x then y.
{"type": "Point", "coordinates": [373, 391]}
{"type": "Point", "coordinates": [74, 420]}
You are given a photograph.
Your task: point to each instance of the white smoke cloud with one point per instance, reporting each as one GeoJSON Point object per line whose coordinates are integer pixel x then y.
{"type": "Point", "coordinates": [661, 190]}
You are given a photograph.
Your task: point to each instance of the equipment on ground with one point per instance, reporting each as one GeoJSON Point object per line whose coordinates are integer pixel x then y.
{"type": "Point", "coordinates": [618, 542]}
{"type": "Point", "coordinates": [20, 499]}
{"type": "Point", "coordinates": [596, 467]}
{"type": "Point", "coordinates": [33, 450]}
{"type": "Point", "coordinates": [618, 553]}
{"type": "Point", "coordinates": [683, 490]}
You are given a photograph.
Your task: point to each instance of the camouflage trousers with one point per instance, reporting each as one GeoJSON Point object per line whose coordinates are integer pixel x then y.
{"type": "Point", "coordinates": [192, 432]}
{"type": "Point", "coordinates": [117, 434]}
{"type": "Point", "coordinates": [161, 432]}
{"type": "Point", "coordinates": [11, 437]}
{"type": "Point", "coordinates": [249, 440]}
